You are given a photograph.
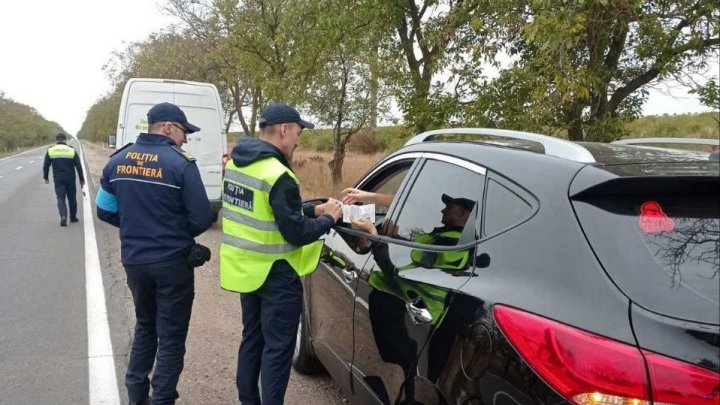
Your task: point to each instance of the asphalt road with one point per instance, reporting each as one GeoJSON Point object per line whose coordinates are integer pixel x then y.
{"type": "Point", "coordinates": [43, 333]}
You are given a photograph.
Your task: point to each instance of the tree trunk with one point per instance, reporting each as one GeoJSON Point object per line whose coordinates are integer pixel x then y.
{"type": "Point", "coordinates": [572, 114]}
{"type": "Point", "coordinates": [229, 121]}
{"type": "Point", "coordinates": [374, 85]}
{"type": "Point", "coordinates": [336, 165]}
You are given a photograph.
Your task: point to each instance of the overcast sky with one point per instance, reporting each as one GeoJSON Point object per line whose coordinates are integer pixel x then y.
{"type": "Point", "coordinates": [52, 53]}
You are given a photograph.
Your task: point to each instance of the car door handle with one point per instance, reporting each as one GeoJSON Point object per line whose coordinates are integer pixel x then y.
{"type": "Point", "coordinates": [349, 275]}
{"type": "Point", "coordinates": [418, 311]}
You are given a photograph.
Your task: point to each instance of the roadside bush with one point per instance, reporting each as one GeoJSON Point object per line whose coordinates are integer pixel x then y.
{"type": "Point", "coordinates": [392, 138]}
{"type": "Point", "coordinates": [317, 139]}
{"type": "Point", "coordinates": [365, 141]}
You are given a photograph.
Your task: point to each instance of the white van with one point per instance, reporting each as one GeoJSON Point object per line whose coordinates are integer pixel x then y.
{"type": "Point", "coordinates": [201, 104]}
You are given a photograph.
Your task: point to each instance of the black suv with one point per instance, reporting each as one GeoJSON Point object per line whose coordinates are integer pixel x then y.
{"type": "Point", "coordinates": [580, 273]}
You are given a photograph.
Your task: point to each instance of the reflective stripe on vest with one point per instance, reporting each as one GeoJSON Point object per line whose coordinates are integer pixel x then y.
{"type": "Point", "coordinates": [446, 260]}
{"type": "Point", "coordinates": [61, 151]}
{"type": "Point", "coordinates": [251, 240]}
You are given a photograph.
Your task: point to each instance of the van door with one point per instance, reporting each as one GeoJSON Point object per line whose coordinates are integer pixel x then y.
{"type": "Point", "coordinates": [201, 104]}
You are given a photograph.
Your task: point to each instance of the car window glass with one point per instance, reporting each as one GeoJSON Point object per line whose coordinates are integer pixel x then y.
{"type": "Point", "coordinates": [503, 208]}
{"type": "Point", "coordinates": [426, 208]}
{"type": "Point", "coordinates": [440, 206]}
{"type": "Point", "coordinates": [661, 249]}
{"type": "Point", "coordinates": [390, 183]}
{"type": "Point", "coordinates": [387, 181]}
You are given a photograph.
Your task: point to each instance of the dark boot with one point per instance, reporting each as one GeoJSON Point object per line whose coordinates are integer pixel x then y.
{"type": "Point", "coordinates": [73, 220]}
{"type": "Point", "coordinates": [63, 221]}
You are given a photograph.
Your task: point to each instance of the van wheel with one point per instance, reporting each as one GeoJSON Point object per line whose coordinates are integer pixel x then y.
{"type": "Point", "coordinates": [304, 361]}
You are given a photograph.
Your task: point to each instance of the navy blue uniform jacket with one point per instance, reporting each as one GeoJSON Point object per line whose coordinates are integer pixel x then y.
{"type": "Point", "coordinates": [285, 200]}
{"type": "Point", "coordinates": [153, 192]}
{"type": "Point", "coordinates": [63, 168]}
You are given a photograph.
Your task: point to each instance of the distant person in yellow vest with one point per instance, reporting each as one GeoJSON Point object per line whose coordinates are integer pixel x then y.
{"type": "Point", "coordinates": [270, 240]}
{"type": "Point", "coordinates": [65, 161]}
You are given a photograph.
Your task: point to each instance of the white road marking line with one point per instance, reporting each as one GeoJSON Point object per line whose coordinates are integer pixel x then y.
{"type": "Point", "coordinates": [101, 363]}
{"type": "Point", "coordinates": [18, 168]}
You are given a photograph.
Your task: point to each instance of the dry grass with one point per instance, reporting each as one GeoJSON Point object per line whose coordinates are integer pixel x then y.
{"type": "Point", "coordinates": [312, 169]}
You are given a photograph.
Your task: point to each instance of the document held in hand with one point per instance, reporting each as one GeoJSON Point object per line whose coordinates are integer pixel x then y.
{"type": "Point", "coordinates": [359, 211]}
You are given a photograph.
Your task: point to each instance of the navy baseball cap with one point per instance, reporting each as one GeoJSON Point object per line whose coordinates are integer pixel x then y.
{"type": "Point", "coordinates": [172, 113]}
{"type": "Point", "coordinates": [60, 136]}
{"type": "Point", "coordinates": [280, 113]}
{"type": "Point", "coordinates": [463, 202]}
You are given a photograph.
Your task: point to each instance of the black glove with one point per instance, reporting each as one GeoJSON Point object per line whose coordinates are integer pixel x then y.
{"type": "Point", "coordinates": [198, 255]}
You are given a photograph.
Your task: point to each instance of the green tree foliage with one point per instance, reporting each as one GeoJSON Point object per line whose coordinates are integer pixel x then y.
{"type": "Point", "coordinates": [23, 126]}
{"type": "Point", "coordinates": [584, 66]}
{"type": "Point", "coordinates": [425, 39]}
{"type": "Point", "coordinates": [102, 118]}
{"type": "Point", "coordinates": [709, 94]}
{"type": "Point", "coordinates": [339, 95]}
{"type": "Point", "coordinates": [264, 49]}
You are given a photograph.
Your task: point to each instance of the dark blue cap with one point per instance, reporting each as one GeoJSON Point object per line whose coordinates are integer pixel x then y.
{"type": "Point", "coordinates": [463, 202]}
{"type": "Point", "coordinates": [60, 136]}
{"type": "Point", "coordinates": [279, 113]}
{"type": "Point", "coordinates": [172, 113]}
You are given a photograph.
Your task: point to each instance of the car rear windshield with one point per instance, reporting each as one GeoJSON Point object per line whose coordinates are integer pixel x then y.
{"type": "Point", "coordinates": [661, 249]}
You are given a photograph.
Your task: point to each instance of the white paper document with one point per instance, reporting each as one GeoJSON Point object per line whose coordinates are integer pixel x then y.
{"type": "Point", "coordinates": [359, 211]}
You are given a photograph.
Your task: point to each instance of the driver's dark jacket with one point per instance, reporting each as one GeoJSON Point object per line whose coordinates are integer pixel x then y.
{"type": "Point", "coordinates": [153, 192]}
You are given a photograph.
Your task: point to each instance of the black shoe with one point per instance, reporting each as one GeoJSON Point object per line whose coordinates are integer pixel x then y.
{"type": "Point", "coordinates": [63, 221]}
{"type": "Point", "coordinates": [145, 401]}
{"type": "Point", "coordinates": [73, 220]}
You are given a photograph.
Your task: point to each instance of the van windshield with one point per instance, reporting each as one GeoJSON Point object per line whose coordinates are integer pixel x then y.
{"type": "Point", "coordinates": [662, 250]}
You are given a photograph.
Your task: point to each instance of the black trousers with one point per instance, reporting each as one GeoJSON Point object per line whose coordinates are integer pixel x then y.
{"type": "Point", "coordinates": [163, 298]}
{"type": "Point", "coordinates": [270, 317]}
{"type": "Point", "coordinates": [66, 190]}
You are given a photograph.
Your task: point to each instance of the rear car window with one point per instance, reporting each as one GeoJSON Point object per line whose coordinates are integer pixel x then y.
{"type": "Point", "coordinates": [503, 208]}
{"type": "Point", "coordinates": [662, 250]}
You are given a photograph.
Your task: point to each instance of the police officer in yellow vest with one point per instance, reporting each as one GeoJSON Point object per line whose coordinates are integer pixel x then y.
{"type": "Point", "coordinates": [65, 161]}
{"type": "Point", "coordinates": [269, 240]}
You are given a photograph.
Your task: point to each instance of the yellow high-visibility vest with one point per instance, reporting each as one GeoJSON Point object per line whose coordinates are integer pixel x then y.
{"type": "Point", "coordinates": [61, 151]}
{"type": "Point", "coordinates": [252, 241]}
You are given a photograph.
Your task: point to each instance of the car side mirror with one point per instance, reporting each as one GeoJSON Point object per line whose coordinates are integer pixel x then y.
{"type": "Point", "coordinates": [111, 141]}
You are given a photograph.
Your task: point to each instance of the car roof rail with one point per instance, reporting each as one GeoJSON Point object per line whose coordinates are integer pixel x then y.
{"type": "Point", "coordinates": [680, 141]}
{"type": "Point", "coordinates": [553, 146]}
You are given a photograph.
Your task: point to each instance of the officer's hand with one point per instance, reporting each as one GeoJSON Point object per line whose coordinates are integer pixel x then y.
{"type": "Point", "coordinates": [82, 184]}
{"type": "Point", "coordinates": [47, 181]}
{"type": "Point", "coordinates": [333, 208]}
{"type": "Point", "coordinates": [320, 208]}
{"type": "Point", "coordinates": [364, 225]}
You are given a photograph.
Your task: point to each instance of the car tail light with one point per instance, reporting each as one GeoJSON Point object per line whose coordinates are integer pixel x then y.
{"type": "Point", "coordinates": [585, 368]}
{"type": "Point", "coordinates": [676, 382]}
{"type": "Point", "coordinates": [589, 369]}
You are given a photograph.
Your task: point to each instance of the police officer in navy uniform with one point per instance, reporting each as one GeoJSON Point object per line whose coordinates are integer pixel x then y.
{"type": "Point", "coordinates": [152, 191]}
{"type": "Point", "coordinates": [64, 161]}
